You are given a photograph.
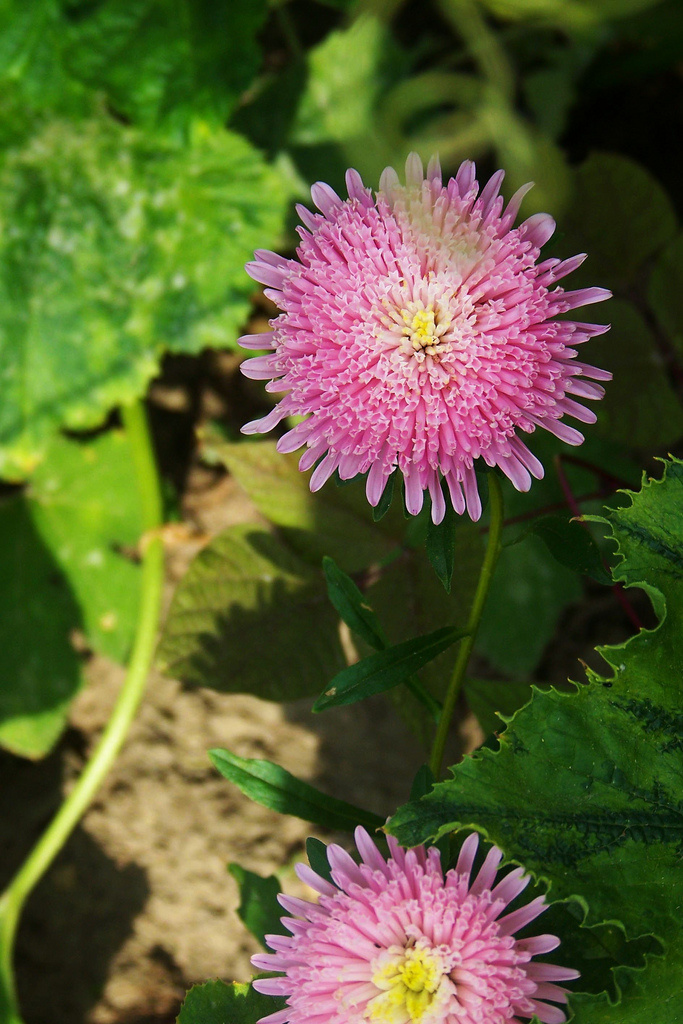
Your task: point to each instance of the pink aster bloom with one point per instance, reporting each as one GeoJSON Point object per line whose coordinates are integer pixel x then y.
{"type": "Point", "coordinates": [419, 332]}
{"type": "Point", "coordinates": [394, 942]}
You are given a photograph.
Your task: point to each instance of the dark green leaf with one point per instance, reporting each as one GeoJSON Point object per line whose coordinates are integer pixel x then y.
{"type": "Point", "coordinates": [246, 586]}
{"type": "Point", "coordinates": [386, 669]}
{"type": "Point", "coordinates": [217, 1002]}
{"type": "Point", "coordinates": [351, 605]}
{"type": "Point", "coordinates": [620, 215]}
{"type": "Point", "coordinates": [422, 783]}
{"type": "Point", "coordinates": [573, 546]}
{"type": "Point", "coordinates": [441, 545]}
{"type": "Point", "coordinates": [528, 593]}
{"type": "Point", "coordinates": [258, 909]}
{"type": "Point", "coordinates": [586, 788]}
{"type": "Point", "coordinates": [317, 858]}
{"type": "Point", "coordinates": [384, 504]}
{"type": "Point", "coordinates": [272, 786]}
{"type": "Point", "coordinates": [666, 292]}
{"type": "Point", "coordinates": [640, 408]}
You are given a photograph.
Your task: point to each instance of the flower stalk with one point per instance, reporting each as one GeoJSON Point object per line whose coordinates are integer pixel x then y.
{"type": "Point", "coordinates": [467, 643]}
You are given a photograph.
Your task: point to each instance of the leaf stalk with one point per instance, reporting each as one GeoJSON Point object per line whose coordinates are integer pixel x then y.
{"type": "Point", "coordinates": [476, 611]}
{"type": "Point", "coordinates": [72, 809]}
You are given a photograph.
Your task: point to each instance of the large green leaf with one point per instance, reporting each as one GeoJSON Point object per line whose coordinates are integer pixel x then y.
{"type": "Point", "coordinates": [666, 292]}
{"type": "Point", "coordinates": [528, 594]}
{"type": "Point", "coordinates": [251, 617]}
{"type": "Point", "coordinates": [587, 788]}
{"type": "Point", "coordinates": [216, 1002]}
{"type": "Point", "coordinates": [620, 216]}
{"type": "Point", "coordinates": [157, 61]}
{"type": "Point", "coordinates": [640, 408]}
{"type": "Point", "coordinates": [61, 547]}
{"type": "Point", "coordinates": [115, 248]}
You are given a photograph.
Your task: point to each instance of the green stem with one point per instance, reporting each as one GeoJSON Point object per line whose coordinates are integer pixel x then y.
{"type": "Point", "coordinates": [467, 643]}
{"type": "Point", "coordinates": [92, 776]}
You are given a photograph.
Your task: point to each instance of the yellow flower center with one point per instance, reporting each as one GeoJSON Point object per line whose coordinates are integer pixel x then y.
{"type": "Point", "coordinates": [421, 329]}
{"type": "Point", "coordinates": [408, 981]}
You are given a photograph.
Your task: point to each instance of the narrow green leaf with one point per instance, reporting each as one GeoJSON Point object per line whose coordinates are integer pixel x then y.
{"type": "Point", "coordinates": [441, 546]}
{"type": "Point", "coordinates": [386, 669]}
{"type": "Point", "coordinates": [316, 851]}
{"type": "Point", "coordinates": [274, 787]}
{"type": "Point", "coordinates": [258, 908]}
{"type": "Point", "coordinates": [351, 605]}
{"type": "Point", "coordinates": [217, 1002]}
{"type": "Point", "coordinates": [573, 546]}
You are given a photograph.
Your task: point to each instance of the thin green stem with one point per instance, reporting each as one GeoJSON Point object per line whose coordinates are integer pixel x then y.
{"type": "Point", "coordinates": [467, 643]}
{"type": "Point", "coordinates": [92, 776]}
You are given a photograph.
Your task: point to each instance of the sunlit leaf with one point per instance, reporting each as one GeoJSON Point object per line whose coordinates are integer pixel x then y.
{"type": "Point", "coordinates": [115, 248]}
{"type": "Point", "coordinates": [64, 543]}
{"type": "Point", "coordinates": [157, 61]}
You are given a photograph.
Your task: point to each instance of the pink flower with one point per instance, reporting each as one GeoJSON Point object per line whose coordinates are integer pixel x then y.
{"type": "Point", "coordinates": [418, 331]}
{"type": "Point", "coordinates": [394, 942]}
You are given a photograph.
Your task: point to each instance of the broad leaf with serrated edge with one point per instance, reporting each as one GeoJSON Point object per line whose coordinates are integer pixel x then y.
{"type": "Point", "coordinates": [587, 788]}
{"type": "Point", "coordinates": [115, 248]}
{"type": "Point", "coordinates": [251, 617]}
{"type": "Point", "coordinates": [61, 543]}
